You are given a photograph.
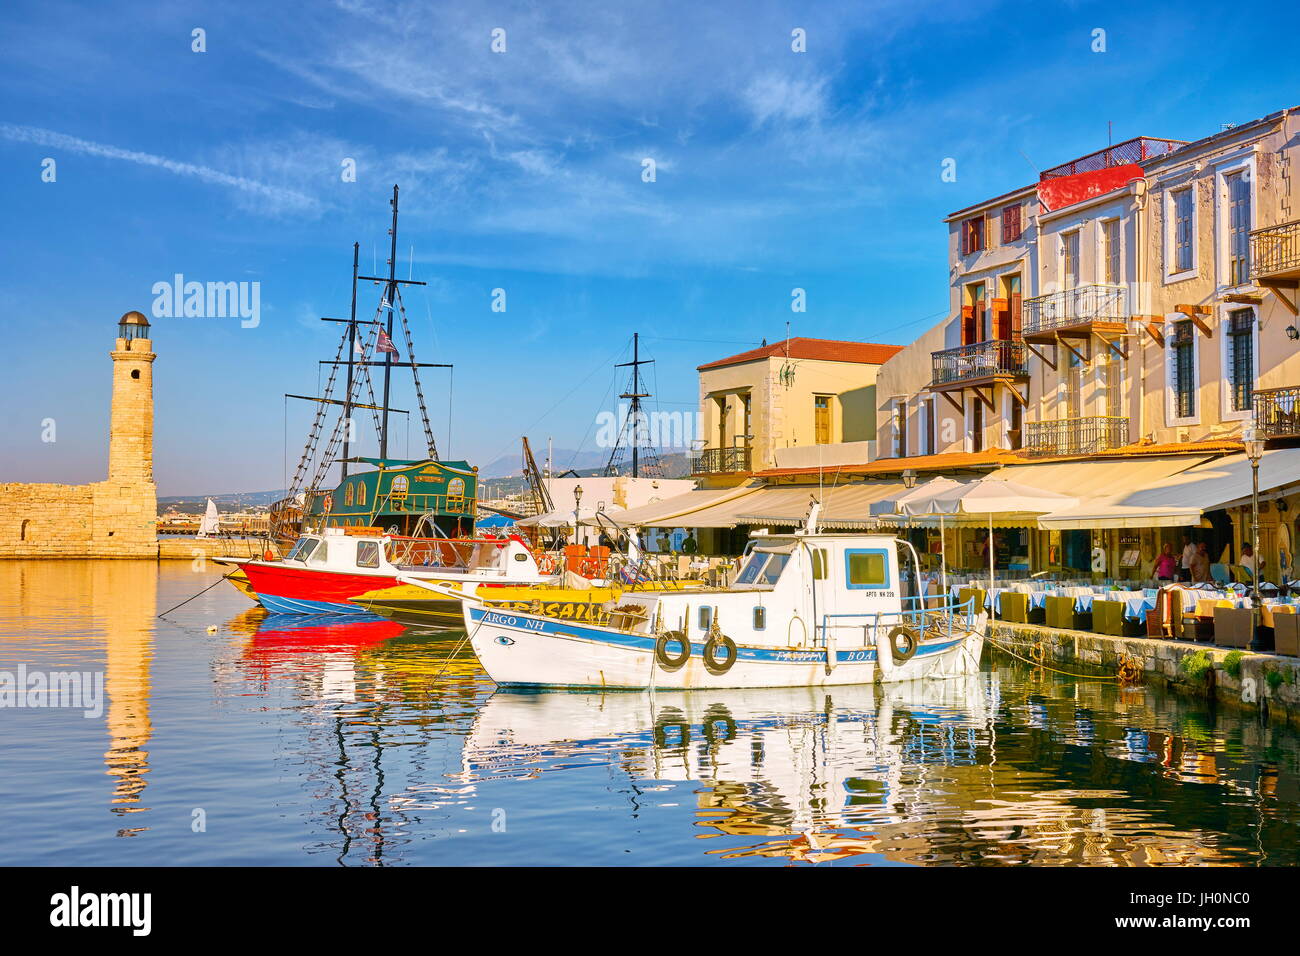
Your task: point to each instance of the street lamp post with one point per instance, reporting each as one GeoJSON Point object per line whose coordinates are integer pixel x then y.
{"type": "Point", "coordinates": [577, 511]}
{"type": "Point", "coordinates": [1254, 445]}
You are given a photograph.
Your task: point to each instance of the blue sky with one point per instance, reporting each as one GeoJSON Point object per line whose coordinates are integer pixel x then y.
{"type": "Point", "coordinates": [523, 171]}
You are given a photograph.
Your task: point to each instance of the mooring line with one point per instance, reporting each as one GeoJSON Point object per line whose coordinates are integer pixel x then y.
{"type": "Point", "coordinates": [191, 598]}
{"type": "Point", "coordinates": [1054, 670]}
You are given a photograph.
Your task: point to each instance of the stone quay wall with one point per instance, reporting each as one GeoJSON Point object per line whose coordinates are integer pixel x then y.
{"type": "Point", "coordinates": [1268, 683]}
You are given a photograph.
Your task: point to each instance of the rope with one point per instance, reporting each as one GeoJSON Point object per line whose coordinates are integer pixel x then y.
{"type": "Point", "coordinates": [204, 591]}
{"type": "Point", "coordinates": [1054, 670]}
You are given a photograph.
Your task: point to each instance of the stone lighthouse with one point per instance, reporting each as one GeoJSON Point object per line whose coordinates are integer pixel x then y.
{"type": "Point", "coordinates": [126, 505]}
{"type": "Point", "coordinates": [130, 437]}
{"type": "Point", "coordinates": [116, 518]}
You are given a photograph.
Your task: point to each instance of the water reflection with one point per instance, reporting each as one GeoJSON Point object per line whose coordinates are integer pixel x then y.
{"type": "Point", "coordinates": [363, 743]}
{"type": "Point", "coordinates": [111, 605]}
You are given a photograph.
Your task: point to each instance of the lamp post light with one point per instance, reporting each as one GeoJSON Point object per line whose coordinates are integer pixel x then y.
{"type": "Point", "coordinates": [577, 510]}
{"type": "Point", "coordinates": [1254, 444]}
{"type": "Point", "coordinates": [909, 479]}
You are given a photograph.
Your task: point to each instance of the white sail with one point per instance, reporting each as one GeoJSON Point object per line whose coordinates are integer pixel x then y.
{"type": "Point", "coordinates": [211, 523]}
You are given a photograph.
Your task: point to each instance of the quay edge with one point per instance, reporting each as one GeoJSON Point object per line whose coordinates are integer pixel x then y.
{"type": "Point", "coordinates": [1251, 689]}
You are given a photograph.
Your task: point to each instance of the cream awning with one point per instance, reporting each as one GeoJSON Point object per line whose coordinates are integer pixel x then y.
{"type": "Point", "coordinates": [844, 506]}
{"type": "Point", "coordinates": [674, 512]}
{"type": "Point", "coordinates": [1181, 499]}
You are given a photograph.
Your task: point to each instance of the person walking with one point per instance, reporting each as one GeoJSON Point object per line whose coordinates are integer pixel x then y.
{"type": "Point", "coordinates": [1200, 565]}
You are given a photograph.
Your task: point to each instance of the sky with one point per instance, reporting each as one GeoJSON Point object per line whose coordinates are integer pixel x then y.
{"type": "Point", "coordinates": [524, 169]}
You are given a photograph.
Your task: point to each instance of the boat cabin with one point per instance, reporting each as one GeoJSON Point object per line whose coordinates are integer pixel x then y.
{"type": "Point", "coordinates": [370, 550]}
{"type": "Point", "coordinates": [799, 590]}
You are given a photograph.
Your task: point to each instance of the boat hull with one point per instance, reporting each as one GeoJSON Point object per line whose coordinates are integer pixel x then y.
{"type": "Point", "coordinates": [290, 590]}
{"type": "Point", "coordinates": [523, 650]}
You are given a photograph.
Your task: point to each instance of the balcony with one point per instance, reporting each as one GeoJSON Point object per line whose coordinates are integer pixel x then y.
{"type": "Point", "coordinates": [982, 363]}
{"type": "Point", "coordinates": [1275, 252]}
{"type": "Point", "coordinates": [1076, 436]}
{"type": "Point", "coordinates": [1076, 313]}
{"type": "Point", "coordinates": [1277, 412]}
{"type": "Point", "coordinates": [720, 461]}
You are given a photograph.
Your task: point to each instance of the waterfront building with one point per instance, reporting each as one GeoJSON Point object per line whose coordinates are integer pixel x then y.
{"type": "Point", "coordinates": [115, 518]}
{"type": "Point", "coordinates": [1134, 307]}
{"type": "Point", "coordinates": [797, 401]}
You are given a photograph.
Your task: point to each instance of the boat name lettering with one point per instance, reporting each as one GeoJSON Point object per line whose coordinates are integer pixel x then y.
{"type": "Point", "coordinates": [506, 620]}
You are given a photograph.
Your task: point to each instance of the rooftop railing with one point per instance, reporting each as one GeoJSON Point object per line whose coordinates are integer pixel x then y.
{"type": "Point", "coordinates": [1121, 154]}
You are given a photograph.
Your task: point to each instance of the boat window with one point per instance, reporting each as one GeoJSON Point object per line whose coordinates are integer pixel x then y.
{"type": "Point", "coordinates": [774, 568]}
{"type": "Point", "coordinates": [749, 573]}
{"type": "Point", "coordinates": [819, 564]}
{"type": "Point", "coordinates": [320, 554]}
{"type": "Point", "coordinates": [867, 568]}
{"type": "Point", "coordinates": [302, 550]}
{"type": "Point", "coordinates": [368, 554]}
{"type": "Point", "coordinates": [706, 618]}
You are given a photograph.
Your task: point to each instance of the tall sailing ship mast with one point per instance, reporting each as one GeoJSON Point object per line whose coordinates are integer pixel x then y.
{"type": "Point", "coordinates": [634, 435]}
{"type": "Point", "coordinates": [425, 494]}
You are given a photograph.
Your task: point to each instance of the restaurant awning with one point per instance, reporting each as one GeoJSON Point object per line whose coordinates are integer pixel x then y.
{"type": "Point", "coordinates": [844, 506]}
{"type": "Point", "coordinates": [673, 512]}
{"type": "Point", "coordinates": [1182, 498]}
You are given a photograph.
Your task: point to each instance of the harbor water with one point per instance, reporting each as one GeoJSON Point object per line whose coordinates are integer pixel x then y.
{"type": "Point", "coordinates": [227, 736]}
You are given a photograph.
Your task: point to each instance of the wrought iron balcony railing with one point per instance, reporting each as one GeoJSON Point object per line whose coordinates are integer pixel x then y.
{"type": "Point", "coordinates": [1275, 250]}
{"type": "Point", "coordinates": [1076, 436]}
{"type": "Point", "coordinates": [719, 461]}
{"type": "Point", "coordinates": [995, 358]}
{"type": "Point", "coordinates": [1077, 306]}
{"type": "Point", "coordinates": [1277, 412]}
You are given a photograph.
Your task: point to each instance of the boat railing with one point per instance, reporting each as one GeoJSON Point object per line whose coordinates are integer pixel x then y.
{"type": "Point", "coordinates": [938, 621]}
{"type": "Point", "coordinates": [456, 553]}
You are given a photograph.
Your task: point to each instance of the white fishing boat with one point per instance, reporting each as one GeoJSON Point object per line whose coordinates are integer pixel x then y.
{"type": "Point", "coordinates": [806, 609]}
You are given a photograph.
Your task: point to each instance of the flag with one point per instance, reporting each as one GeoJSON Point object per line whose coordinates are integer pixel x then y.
{"type": "Point", "coordinates": [385, 344]}
{"type": "Point", "coordinates": [357, 347]}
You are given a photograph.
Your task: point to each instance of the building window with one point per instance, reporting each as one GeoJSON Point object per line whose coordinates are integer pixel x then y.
{"type": "Point", "coordinates": [1016, 427]}
{"type": "Point", "coordinates": [1184, 369]}
{"type": "Point", "coordinates": [347, 495]}
{"type": "Point", "coordinates": [1074, 370]}
{"type": "Point", "coordinates": [976, 425]}
{"type": "Point", "coordinates": [900, 428]}
{"type": "Point", "coordinates": [1241, 358]}
{"type": "Point", "coordinates": [1182, 229]}
{"type": "Point", "coordinates": [1011, 227]}
{"type": "Point", "coordinates": [361, 492]}
{"type": "Point", "coordinates": [822, 419]}
{"type": "Point", "coordinates": [927, 430]}
{"type": "Point", "coordinates": [1070, 259]}
{"type": "Point", "coordinates": [1110, 250]}
{"type": "Point", "coordinates": [1238, 228]}
{"type": "Point", "coordinates": [972, 235]}
{"type": "Point", "coordinates": [1112, 375]}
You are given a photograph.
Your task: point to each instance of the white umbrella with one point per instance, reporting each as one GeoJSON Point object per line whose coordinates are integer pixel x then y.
{"type": "Point", "coordinates": [990, 496]}
{"type": "Point", "coordinates": [915, 497]}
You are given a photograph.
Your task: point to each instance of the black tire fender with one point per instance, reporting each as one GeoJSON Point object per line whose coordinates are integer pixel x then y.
{"type": "Point", "coordinates": [710, 650]}
{"type": "Point", "coordinates": [911, 641]}
{"type": "Point", "coordinates": [667, 662]}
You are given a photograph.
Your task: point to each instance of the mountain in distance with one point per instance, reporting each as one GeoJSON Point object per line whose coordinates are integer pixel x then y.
{"type": "Point", "coordinates": [512, 464]}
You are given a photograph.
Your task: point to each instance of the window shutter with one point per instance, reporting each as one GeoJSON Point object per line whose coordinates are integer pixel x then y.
{"type": "Point", "coordinates": [965, 238]}
{"type": "Point", "coordinates": [1015, 315]}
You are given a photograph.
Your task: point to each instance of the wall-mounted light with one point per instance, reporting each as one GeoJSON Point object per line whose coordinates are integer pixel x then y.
{"type": "Point", "coordinates": [1292, 333]}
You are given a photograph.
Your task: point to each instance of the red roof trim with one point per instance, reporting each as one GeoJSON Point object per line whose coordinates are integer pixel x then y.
{"type": "Point", "coordinates": [823, 350]}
